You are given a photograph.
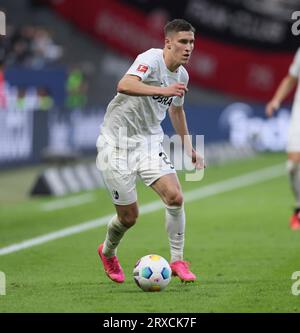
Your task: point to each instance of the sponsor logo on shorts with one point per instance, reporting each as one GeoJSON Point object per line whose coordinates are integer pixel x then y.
{"type": "Point", "coordinates": [115, 194]}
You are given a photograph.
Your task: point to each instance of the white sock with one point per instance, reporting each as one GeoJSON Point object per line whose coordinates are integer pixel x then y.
{"type": "Point", "coordinates": [115, 232]}
{"type": "Point", "coordinates": [175, 225]}
{"type": "Point", "coordinates": [294, 173]}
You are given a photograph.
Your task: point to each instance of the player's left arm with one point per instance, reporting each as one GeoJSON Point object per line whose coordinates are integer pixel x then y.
{"type": "Point", "coordinates": [178, 120]}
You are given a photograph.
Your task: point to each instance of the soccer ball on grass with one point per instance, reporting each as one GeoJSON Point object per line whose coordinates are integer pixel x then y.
{"type": "Point", "coordinates": [152, 273]}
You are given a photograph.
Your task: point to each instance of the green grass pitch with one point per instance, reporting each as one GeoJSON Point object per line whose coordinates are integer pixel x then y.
{"type": "Point", "coordinates": [238, 242]}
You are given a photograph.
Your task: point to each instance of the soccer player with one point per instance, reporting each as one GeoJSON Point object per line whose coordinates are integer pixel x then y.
{"type": "Point", "coordinates": [131, 133]}
{"type": "Point", "coordinates": [293, 145]}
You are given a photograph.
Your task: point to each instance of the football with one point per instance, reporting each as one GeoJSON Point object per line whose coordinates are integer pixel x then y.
{"type": "Point", "coordinates": [152, 273]}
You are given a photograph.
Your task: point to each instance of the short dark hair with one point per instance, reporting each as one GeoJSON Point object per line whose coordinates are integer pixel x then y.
{"type": "Point", "coordinates": [178, 25]}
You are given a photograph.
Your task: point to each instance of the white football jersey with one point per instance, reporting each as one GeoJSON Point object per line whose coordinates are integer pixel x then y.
{"type": "Point", "coordinates": [294, 70]}
{"type": "Point", "coordinates": [132, 120]}
{"type": "Point", "coordinates": [293, 143]}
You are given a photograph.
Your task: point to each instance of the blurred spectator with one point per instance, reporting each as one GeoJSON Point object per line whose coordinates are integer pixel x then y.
{"type": "Point", "coordinates": [45, 101]}
{"type": "Point", "coordinates": [44, 49]}
{"type": "Point", "coordinates": [76, 89]}
{"type": "Point", "coordinates": [21, 99]}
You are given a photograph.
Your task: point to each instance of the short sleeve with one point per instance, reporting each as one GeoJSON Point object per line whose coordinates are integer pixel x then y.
{"type": "Point", "coordinates": [143, 66]}
{"type": "Point", "coordinates": [184, 78]}
{"type": "Point", "coordinates": [178, 101]}
{"type": "Point", "coordinates": [294, 69]}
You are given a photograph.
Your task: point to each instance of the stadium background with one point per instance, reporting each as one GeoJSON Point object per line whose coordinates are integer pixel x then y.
{"type": "Point", "coordinates": [60, 63]}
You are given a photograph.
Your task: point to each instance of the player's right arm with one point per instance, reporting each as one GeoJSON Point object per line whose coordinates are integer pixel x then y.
{"type": "Point", "coordinates": [132, 85]}
{"type": "Point", "coordinates": [284, 88]}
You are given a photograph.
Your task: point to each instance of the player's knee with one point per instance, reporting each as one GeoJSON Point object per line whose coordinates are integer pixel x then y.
{"type": "Point", "coordinates": [292, 166]}
{"type": "Point", "coordinates": [128, 218]}
{"type": "Point", "coordinates": [175, 199]}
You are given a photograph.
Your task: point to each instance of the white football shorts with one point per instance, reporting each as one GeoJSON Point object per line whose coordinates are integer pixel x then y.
{"type": "Point", "coordinates": [120, 167]}
{"type": "Point", "coordinates": [293, 141]}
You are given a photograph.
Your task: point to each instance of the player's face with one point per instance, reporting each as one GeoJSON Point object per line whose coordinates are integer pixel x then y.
{"type": "Point", "coordinates": [181, 45]}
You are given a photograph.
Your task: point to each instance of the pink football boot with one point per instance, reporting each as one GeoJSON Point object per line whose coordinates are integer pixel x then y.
{"type": "Point", "coordinates": [181, 269]}
{"type": "Point", "coordinates": [111, 266]}
{"type": "Point", "coordinates": [295, 221]}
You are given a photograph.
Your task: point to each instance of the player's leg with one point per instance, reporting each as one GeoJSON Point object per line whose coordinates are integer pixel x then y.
{"type": "Point", "coordinates": [293, 166]}
{"type": "Point", "coordinates": [157, 171]}
{"type": "Point", "coordinates": [120, 181]}
{"type": "Point", "coordinates": [124, 219]}
{"type": "Point", "coordinates": [293, 163]}
{"type": "Point", "coordinates": [168, 188]}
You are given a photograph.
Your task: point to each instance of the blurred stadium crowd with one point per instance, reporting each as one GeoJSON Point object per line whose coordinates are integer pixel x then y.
{"type": "Point", "coordinates": [30, 46]}
{"type": "Point", "coordinates": [66, 57]}
{"type": "Point", "coordinates": [33, 47]}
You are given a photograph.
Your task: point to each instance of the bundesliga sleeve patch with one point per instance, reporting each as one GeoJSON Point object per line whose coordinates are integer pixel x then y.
{"type": "Point", "coordinates": [142, 68]}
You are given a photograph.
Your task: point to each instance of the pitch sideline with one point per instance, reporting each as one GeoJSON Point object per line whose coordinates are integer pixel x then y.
{"type": "Point", "coordinates": [206, 191]}
{"type": "Point", "coordinates": [68, 202]}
